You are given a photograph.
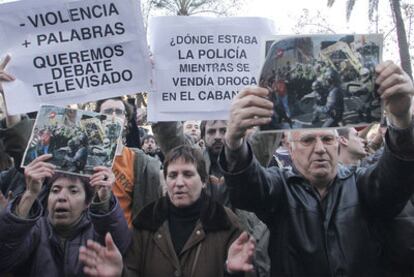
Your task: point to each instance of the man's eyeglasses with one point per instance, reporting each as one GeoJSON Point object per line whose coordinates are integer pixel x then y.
{"type": "Point", "coordinates": [309, 140]}
{"type": "Point", "coordinates": [110, 111]}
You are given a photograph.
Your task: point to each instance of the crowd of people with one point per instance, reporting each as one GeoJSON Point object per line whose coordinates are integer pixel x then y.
{"type": "Point", "coordinates": [217, 197]}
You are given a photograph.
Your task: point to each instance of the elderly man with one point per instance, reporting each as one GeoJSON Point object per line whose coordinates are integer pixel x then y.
{"type": "Point", "coordinates": [320, 214]}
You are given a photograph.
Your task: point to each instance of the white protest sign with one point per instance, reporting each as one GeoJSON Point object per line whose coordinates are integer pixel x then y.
{"type": "Point", "coordinates": [68, 51]}
{"type": "Point", "coordinates": [201, 63]}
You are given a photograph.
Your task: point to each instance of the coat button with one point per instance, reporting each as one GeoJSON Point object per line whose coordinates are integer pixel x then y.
{"type": "Point", "coordinates": [177, 273]}
{"type": "Point", "coordinates": [198, 232]}
{"type": "Point", "coordinates": [159, 236]}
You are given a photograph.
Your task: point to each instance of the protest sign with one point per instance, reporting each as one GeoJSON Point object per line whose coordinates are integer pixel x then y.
{"type": "Point", "coordinates": [322, 80]}
{"type": "Point", "coordinates": [201, 63]}
{"type": "Point", "coordinates": [78, 140]}
{"type": "Point", "coordinates": [68, 51]}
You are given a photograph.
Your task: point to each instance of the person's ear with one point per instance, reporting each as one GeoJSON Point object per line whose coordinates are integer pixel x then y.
{"type": "Point", "coordinates": [343, 141]}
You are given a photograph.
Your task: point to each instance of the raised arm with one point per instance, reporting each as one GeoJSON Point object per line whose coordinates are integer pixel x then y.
{"type": "Point", "coordinates": [396, 90]}
{"type": "Point", "coordinates": [6, 77]}
{"type": "Point", "coordinates": [19, 233]}
{"type": "Point", "coordinates": [105, 212]}
{"type": "Point", "coordinates": [386, 188]}
{"type": "Point", "coordinates": [250, 108]}
{"type": "Point", "coordinates": [35, 174]}
{"type": "Point", "coordinates": [249, 183]}
{"type": "Point", "coordinates": [169, 135]}
{"type": "Point", "coordinates": [15, 130]}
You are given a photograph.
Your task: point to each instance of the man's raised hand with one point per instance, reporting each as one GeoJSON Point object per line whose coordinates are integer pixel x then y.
{"type": "Point", "coordinates": [249, 108]}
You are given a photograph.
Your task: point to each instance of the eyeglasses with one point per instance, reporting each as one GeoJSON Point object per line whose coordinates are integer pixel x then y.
{"type": "Point", "coordinates": [110, 111]}
{"type": "Point", "coordinates": [309, 140]}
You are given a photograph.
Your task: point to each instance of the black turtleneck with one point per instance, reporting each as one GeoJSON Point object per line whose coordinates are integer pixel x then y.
{"type": "Point", "coordinates": [182, 221]}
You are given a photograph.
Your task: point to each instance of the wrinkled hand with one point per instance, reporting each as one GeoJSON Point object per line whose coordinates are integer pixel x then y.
{"type": "Point", "coordinates": [99, 260]}
{"type": "Point", "coordinates": [396, 90]}
{"type": "Point", "coordinates": [36, 172]}
{"type": "Point", "coordinates": [102, 180]}
{"type": "Point", "coordinates": [4, 76]}
{"type": "Point", "coordinates": [240, 254]}
{"type": "Point", "coordinates": [249, 108]}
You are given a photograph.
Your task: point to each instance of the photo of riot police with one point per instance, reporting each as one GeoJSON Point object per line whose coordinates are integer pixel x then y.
{"type": "Point", "coordinates": [78, 140]}
{"type": "Point", "coordinates": [322, 80]}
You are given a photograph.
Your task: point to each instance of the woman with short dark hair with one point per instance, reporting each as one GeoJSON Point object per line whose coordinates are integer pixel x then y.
{"type": "Point", "coordinates": [184, 233]}
{"type": "Point", "coordinates": [34, 243]}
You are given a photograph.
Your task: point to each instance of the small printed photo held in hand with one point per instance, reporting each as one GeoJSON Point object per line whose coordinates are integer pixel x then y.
{"type": "Point", "coordinates": [321, 81]}
{"type": "Point", "coordinates": [78, 140]}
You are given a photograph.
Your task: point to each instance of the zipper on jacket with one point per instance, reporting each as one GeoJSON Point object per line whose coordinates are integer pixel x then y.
{"type": "Point", "coordinates": [65, 257]}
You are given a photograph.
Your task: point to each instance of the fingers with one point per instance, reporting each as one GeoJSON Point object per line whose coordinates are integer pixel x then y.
{"type": "Point", "coordinates": [94, 247]}
{"type": "Point", "coordinates": [4, 76]}
{"type": "Point", "coordinates": [5, 61]}
{"type": "Point", "coordinates": [101, 168]}
{"type": "Point", "coordinates": [201, 143]}
{"type": "Point", "coordinates": [385, 69]}
{"type": "Point", "coordinates": [89, 258]}
{"type": "Point", "coordinates": [39, 168]}
{"type": "Point", "coordinates": [241, 252]}
{"type": "Point", "coordinates": [250, 108]}
{"type": "Point", "coordinates": [396, 89]}
{"type": "Point", "coordinates": [247, 241]}
{"type": "Point", "coordinates": [40, 163]}
{"type": "Point", "coordinates": [90, 271]}
{"type": "Point", "coordinates": [250, 247]}
{"type": "Point", "coordinates": [43, 157]}
{"type": "Point", "coordinates": [254, 97]}
{"type": "Point", "coordinates": [243, 238]}
{"type": "Point", "coordinates": [248, 267]}
{"type": "Point", "coordinates": [109, 242]}
{"type": "Point", "coordinates": [392, 79]}
{"type": "Point", "coordinates": [103, 176]}
{"type": "Point", "coordinates": [253, 90]}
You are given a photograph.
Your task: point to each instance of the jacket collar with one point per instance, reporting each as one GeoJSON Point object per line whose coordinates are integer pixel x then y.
{"type": "Point", "coordinates": [213, 215]}
{"type": "Point", "coordinates": [84, 222]}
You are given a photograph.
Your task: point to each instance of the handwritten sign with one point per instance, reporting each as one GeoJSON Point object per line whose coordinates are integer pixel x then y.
{"type": "Point", "coordinates": [69, 51]}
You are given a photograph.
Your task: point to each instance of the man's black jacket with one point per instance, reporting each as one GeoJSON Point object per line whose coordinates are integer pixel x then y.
{"type": "Point", "coordinates": [333, 237]}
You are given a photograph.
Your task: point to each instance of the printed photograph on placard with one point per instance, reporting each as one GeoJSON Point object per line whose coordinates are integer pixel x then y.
{"type": "Point", "coordinates": [78, 140]}
{"type": "Point", "coordinates": [322, 80]}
